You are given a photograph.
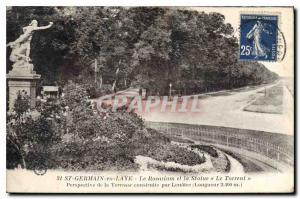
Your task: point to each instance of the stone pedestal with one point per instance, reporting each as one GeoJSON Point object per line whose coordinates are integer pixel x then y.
{"type": "Point", "coordinates": [19, 80]}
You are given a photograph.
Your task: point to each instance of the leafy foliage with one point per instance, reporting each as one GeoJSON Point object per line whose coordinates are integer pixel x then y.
{"type": "Point", "coordinates": [22, 105]}
{"type": "Point", "coordinates": [208, 149]}
{"type": "Point", "coordinates": [70, 133]}
{"type": "Point", "coordinates": [142, 46]}
{"type": "Point", "coordinates": [28, 136]}
{"type": "Point", "coordinates": [93, 141]}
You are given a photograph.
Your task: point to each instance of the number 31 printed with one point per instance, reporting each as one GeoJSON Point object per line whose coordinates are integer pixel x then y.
{"type": "Point", "coordinates": [246, 50]}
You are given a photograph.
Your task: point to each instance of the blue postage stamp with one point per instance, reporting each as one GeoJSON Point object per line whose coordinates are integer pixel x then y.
{"type": "Point", "coordinates": [258, 37]}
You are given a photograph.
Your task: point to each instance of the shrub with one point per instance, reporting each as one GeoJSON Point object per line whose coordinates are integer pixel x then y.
{"type": "Point", "coordinates": [21, 105]}
{"type": "Point", "coordinates": [208, 149]}
{"type": "Point", "coordinates": [70, 134]}
{"type": "Point", "coordinates": [96, 142]}
{"type": "Point", "coordinates": [28, 139]}
{"type": "Point", "coordinates": [30, 133]}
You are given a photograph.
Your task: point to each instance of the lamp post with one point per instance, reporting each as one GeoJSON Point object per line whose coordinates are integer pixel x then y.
{"type": "Point", "coordinates": [96, 70]}
{"type": "Point", "coordinates": [170, 90]}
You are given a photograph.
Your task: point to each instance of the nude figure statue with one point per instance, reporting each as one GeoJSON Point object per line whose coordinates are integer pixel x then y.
{"type": "Point", "coordinates": [20, 53]}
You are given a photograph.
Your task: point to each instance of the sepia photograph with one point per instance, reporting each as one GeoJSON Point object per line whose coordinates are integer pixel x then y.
{"type": "Point", "coordinates": [149, 99]}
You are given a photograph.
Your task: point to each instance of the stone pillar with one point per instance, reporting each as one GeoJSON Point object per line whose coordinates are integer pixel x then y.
{"type": "Point", "coordinates": [19, 80]}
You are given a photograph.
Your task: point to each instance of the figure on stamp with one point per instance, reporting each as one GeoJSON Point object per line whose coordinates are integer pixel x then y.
{"type": "Point", "coordinates": [20, 53]}
{"type": "Point", "coordinates": [255, 34]}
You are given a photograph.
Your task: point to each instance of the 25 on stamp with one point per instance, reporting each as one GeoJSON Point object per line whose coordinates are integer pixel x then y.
{"type": "Point", "coordinates": [258, 37]}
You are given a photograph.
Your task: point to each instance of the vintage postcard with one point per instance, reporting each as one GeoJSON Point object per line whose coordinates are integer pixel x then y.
{"type": "Point", "coordinates": [150, 99]}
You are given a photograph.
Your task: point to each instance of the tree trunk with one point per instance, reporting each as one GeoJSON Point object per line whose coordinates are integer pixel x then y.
{"type": "Point", "coordinates": [96, 70]}
{"type": "Point", "coordinates": [100, 81]}
{"type": "Point", "coordinates": [23, 161]}
{"type": "Point", "coordinates": [193, 73]}
{"type": "Point", "coordinates": [115, 81]}
{"type": "Point", "coordinates": [114, 85]}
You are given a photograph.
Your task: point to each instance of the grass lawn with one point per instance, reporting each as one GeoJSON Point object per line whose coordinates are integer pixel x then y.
{"type": "Point", "coordinates": [277, 139]}
{"type": "Point", "coordinates": [270, 102]}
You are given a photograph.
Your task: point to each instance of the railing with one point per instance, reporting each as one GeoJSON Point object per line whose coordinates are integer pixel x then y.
{"type": "Point", "coordinates": [228, 137]}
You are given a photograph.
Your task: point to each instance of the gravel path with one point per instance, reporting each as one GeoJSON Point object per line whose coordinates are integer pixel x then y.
{"type": "Point", "coordinates": [235, 166]}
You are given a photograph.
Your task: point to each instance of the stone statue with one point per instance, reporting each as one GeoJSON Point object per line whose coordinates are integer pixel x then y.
{"type": "Point", "coordinates": [21, 46]}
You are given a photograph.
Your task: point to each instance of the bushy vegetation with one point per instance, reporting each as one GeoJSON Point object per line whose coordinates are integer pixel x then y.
{"type": "Point", "coordinates": [29, 135]}
{"type": "Point", "coordinates": [157, 146]}
{"type": "Point", "coordinates": [208, 149]}
{"type": "Point", "coordinates": [71, 134]}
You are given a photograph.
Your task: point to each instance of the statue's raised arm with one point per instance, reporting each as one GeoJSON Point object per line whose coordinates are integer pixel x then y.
{"type": "Point", "coordinates": [44, 27]}
{"type": "Point", "coordinates": [28, 32]}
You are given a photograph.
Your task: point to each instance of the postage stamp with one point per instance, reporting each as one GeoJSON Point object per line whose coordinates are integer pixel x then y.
{"type": "Point", "coordinates": [258, 37]}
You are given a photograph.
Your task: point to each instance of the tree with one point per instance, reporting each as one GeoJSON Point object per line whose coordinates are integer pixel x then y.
{"type": "Point", "coordinates": [141, 46]}
{"type": "Point", "coordinates": [103, 35]}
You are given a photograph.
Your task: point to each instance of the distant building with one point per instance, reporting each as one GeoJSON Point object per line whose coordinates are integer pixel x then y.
{"type": "Point", "coordinates": [50, 91]}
